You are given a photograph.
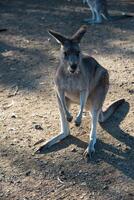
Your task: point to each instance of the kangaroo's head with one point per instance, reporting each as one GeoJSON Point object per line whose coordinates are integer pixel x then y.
{"type": "Point", "coordinates": [70, 48]}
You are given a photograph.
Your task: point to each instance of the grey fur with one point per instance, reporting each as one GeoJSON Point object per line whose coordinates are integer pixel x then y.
{"type": "Point", "coordinates": [79, 79]}
{"type": "Point", "coordinates": [98, 9]}
{"type": "Point", "coordinates": [100, 13]}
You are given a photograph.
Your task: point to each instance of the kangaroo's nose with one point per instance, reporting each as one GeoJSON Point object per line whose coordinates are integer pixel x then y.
{"type": "Point", "coordinates": [73, 67]}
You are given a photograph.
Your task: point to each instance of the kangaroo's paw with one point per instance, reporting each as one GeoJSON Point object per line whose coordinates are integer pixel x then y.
{"type": "Point", "coordinates": [90, 150]}
{"type": "Point", "coordinates": [69, 117]}
{"type": "Point", "coordinates": [52, 141]}
{"type": "Point", "coordinates": [78, 121]}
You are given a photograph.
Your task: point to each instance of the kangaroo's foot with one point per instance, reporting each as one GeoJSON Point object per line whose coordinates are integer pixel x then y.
{"type": "Point", "coordinates": [69, 117]}
{"type": "Point", "coordinates": [53, 141]}
{"type": "Point", "coordinates": [90, 149]}
{"type": "Point", "coordinates": [78, 121]}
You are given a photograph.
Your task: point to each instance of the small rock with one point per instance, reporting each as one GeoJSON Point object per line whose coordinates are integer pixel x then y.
{"type": "Point", "coordinates": [121, 84]}
{"type": "Point", "coordinates": [38, 127]}
{"type": "Point", "coordinates": [62, 172]}
{"type": "Point", "coordinates": [131, 194]}
{"type": "Point", "coordinates": [105, 187]}
{"type": "Point", "coordinates": [83, 184]}
{"type": "Point", "coordinates": [119, 145]}
{"type": "Point", "coordinates": [131, 91]}
{"type": "Point", "coordinates": [73, 150]}
{"type": "Point", "coordinates": [12, 129]}
{"type": "Point", "coordinates": [1, 194]}
{"type": "Point", "coordinates": [13, 115]}
{"type": "Point", "coordinates": [128, 150]}
{"type": "Point", "coordinates": [34, 122]}
{"type": "Point", "coordinates": [28, 173]}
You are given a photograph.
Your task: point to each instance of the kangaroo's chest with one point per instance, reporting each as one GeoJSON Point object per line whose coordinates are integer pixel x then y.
{"type": "Point", "coordinates": [72, 83]}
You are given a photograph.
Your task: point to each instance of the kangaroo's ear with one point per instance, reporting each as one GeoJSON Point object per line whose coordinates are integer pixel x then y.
{"type": "Point", "coordinates": [59, 38]}
{"type": "Point", "coordinates": [79, 34]}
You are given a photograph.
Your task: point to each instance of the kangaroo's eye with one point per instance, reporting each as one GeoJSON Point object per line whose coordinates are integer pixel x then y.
{"type": "Point", "coordinates": [66, 54]}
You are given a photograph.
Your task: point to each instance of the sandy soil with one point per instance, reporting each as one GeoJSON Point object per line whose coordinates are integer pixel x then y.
{"type": "Point", "coordinates": [29, 112]}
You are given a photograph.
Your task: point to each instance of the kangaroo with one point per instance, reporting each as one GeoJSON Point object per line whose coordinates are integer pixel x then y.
{"type": "Point", "coordinates": [80, 79]}
{"type": "Point", "coordinates": [100, 12]}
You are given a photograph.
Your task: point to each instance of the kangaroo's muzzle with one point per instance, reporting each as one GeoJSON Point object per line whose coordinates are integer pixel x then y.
{"type": "Point", "coordinates": [73, 68]}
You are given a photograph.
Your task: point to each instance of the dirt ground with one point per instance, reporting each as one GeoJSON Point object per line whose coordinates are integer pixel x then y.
{"type": "Point", "coordinates": [29, 111]}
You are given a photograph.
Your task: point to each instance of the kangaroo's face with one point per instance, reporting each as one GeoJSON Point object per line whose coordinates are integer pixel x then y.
{"type": "Point", "coordinates": [71, 55]}
{"type": "Point", "coordinates": [70, 49]}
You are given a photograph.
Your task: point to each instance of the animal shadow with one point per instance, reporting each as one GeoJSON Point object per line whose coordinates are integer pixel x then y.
{"type": "Point", "coordinates": [111, 126]}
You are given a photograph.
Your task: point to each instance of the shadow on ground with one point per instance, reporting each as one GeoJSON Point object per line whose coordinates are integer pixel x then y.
{"type": "Point", "coordinates": [121, 160]}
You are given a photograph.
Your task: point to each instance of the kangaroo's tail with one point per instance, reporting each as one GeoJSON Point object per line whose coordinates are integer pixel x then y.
{"type": "Point", "coordinates": [110, 110]}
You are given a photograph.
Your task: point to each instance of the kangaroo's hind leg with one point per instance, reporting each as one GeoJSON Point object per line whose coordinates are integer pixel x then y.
{"type": "Point", "coordinates": [92, 141]}
{"type": "Point", "coordinates": [99, 18]}
{"type": "Point", "coordinates": [96, 100]}
{"type": "Point", "coordinates": [92, 19]}
{"type": "Point", "coordinates": [64, 127]}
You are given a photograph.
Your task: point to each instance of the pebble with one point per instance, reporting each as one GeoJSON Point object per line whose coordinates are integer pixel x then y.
{"type": "Point", "coordinates": [38, 127]}
{"type": "Point", "coordinates": [28, 173]}
{"type": "Point", "coordinates": [119, 145]}
{"type": "Point", "coordinates": [62, 172]}
{"type": "Point", "coordinates": [131, 91]}
{"type": "Point", "coordinates": [105, 187]}
{"type": "Point", "coordinates": [83, 184]}
{"type": "Point", "coordinates": [73, 150]}
{"type": "Point", "coordinates": [13, 115]}
{"type": "Point", "coordinates": [1, 194]}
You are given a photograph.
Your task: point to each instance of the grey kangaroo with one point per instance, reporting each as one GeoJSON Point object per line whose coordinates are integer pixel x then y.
{"type": "Point", "coordinates": [80, 79]}
{"type": "Point", "coordinates": [100, 12]}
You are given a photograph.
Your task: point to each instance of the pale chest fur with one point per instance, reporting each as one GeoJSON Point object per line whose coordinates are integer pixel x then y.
{"type": "Point", "coordinates": [71, 83]}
